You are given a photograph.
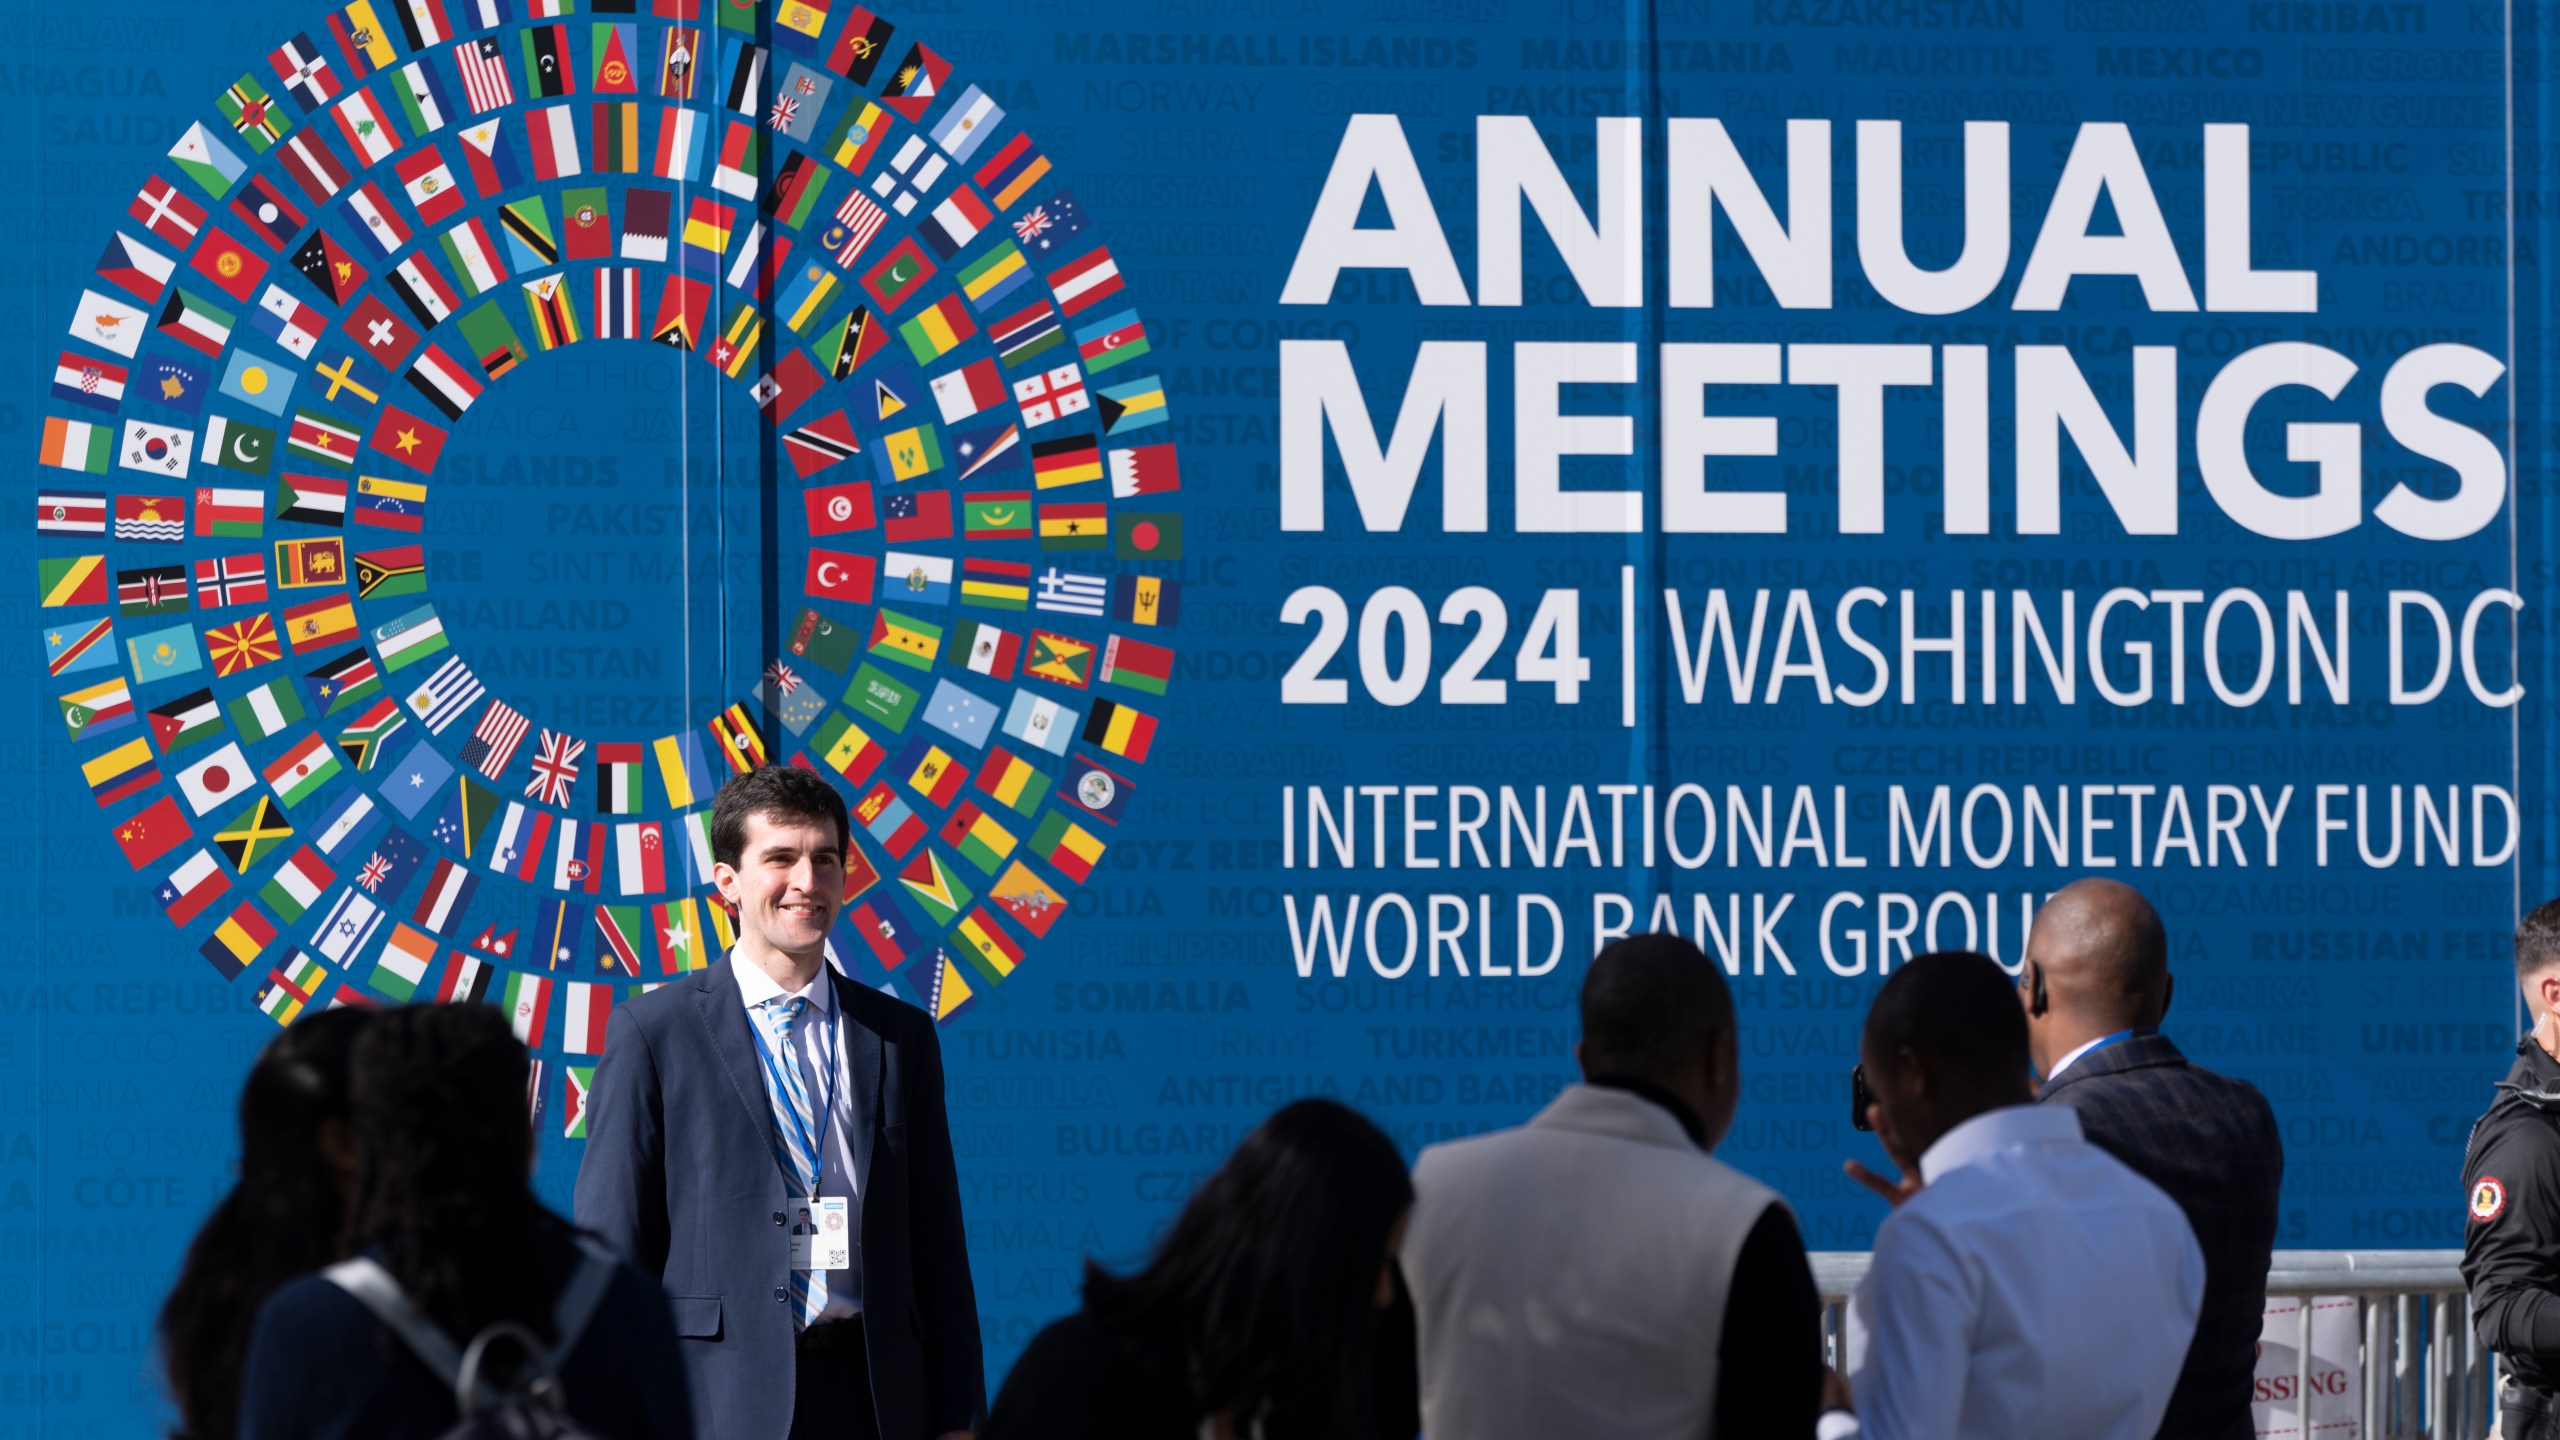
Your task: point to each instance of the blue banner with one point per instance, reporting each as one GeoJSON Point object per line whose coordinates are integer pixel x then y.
{"type": "Point", "coordinates": [1291, 522]}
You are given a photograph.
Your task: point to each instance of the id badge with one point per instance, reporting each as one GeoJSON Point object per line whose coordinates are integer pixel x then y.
{"type": "Point", "coordinates": [822, 1233]}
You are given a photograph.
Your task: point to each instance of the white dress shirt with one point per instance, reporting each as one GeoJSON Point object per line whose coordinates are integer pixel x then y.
{"type": "Point", "coordinates": [2082, 1049]}
{"type": "Point", "coordinates": [817, 1038]}
{"type": "Point", "coordinates": [2034, 1288]}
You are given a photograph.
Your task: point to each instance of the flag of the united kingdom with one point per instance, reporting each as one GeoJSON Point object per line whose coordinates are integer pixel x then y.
{"type": "Point", "coordinates": [555, 768]}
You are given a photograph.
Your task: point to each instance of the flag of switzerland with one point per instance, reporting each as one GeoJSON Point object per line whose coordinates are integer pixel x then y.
{"type": "Point", "coordinates": [379, 334]}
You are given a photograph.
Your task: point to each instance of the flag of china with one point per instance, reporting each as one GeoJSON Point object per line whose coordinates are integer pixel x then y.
{"type": "Point", "coordinates": [153, 832]}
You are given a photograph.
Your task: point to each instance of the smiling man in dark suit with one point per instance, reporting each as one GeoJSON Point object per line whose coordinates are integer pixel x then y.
{"type": "Point", "coordinates": [2096, 984]}
{"type": "Point", "coordinates": [731, 1102]}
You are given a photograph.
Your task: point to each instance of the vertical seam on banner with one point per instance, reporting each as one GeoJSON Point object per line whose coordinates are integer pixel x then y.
{"type": "Point", "coordinates": [1648, 547]}
{"type": "Point", "coordinates": [2515, 632]}
{"type": "Point", "coordinates": [768, 440]}
{"type": "Point", "coordinates": [684, 408]}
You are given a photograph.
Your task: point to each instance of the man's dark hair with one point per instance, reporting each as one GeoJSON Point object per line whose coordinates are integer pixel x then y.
{"type": "Point", "coordinates": [1649, 1004]}
{"type": "Point", "coordinates": [1955, 1009]}
{"type": "Point", "coordinates": [2538, 940]}
{"type": "Point", "coordinates": [777, 792]}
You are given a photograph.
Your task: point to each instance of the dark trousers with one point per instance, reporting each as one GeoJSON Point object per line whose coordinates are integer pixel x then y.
{"type": "Point", "coordinates": [2525, 1413]}
{"type": "Point", "coordinates": [831, 1385]}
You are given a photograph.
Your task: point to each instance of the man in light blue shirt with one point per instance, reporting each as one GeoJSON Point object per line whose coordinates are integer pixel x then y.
{"type": "Point", "coordinates": [2028, 1285]}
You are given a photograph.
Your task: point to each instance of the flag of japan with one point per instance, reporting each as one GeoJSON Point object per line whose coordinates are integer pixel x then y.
{"type": "Point", "coordinates": [216, 780]}
{"type": "Point", "coordinates": [966, 391]}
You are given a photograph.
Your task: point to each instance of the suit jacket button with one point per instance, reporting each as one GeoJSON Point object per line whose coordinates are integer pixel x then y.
{"type": "Point", "coordinates": [781, 1295]}
{"type": "Point", "coordinates": [777, 1217]}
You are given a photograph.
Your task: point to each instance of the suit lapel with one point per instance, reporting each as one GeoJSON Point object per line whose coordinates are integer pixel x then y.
{"type": "Point", "coordinates": [723, 1013]}
{"type": "Point", "coordinates": [865, 1062]}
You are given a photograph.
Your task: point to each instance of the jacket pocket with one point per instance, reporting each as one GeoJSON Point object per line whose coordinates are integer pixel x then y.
{"type": "Point", "coordinates": [697, 1317]}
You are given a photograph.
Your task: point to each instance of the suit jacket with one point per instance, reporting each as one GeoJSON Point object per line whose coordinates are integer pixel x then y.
{"type": "Point", "coordinates": [680, 1175]}
{"type": "Point", "coordinates": [2212, 1144]}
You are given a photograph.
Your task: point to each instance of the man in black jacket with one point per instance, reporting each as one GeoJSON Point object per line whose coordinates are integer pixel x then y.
{"type": "Point", "coordinates": [2511, 1178]}
{"type": "Point", "coordinates": [2096, 983]}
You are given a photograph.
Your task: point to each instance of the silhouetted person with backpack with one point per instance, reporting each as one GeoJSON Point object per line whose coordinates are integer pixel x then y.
{"type": "Point", "coordinates": [462, 1281]}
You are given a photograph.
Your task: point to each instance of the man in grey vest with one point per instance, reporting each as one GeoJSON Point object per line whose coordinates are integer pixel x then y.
{"type": "Point", "coordinates": [1597, 1271]}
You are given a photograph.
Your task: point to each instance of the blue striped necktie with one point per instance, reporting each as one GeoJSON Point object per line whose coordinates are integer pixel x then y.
{"type": "Point", "coordinates": [795, 1136]}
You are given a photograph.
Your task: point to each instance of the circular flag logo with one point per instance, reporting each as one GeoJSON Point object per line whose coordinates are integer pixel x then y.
{"type": "Point", "coordinates": [319, 746]}
{"type": "Point", "coordinates": [2488, 1198]}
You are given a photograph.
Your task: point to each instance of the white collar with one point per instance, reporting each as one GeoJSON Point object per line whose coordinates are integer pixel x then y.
{"type": "Point", "coordinates": [757, 988]}
{"type": "Point", "coordinates": [2079, 1050]}
{"type": "Point", "coordinates": [1614, 1114]}
{"type": "Point", "coordinates": [2010, 1127]}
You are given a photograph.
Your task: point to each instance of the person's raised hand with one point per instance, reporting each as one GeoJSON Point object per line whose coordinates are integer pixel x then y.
{"type": "Point", "coordinates": [1893, 1192]}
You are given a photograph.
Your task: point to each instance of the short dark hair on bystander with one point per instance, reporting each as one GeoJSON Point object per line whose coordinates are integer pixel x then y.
{"type": "Point", "coordinates": [775, 792]}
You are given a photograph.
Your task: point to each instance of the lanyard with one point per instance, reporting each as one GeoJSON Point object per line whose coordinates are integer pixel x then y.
{"type": "Point", "coordinates": [2117, 1038]}
{"type": "Point", "coordinates": [823, 1058]}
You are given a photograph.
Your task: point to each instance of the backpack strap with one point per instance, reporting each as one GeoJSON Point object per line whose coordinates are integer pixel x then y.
{"type": "Point", "coordinates": [569, 1316]}
{"type": "Point", "coordinates": [580, 1297]}
{"type": "Point", "coordinates": [366, 1279]}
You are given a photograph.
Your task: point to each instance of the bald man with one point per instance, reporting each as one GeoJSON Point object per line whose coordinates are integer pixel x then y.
{"type": "Point", "coordinates": [2096, 984]}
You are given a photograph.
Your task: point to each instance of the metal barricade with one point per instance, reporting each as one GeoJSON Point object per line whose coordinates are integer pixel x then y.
{"type": "Point", "coordinates": [2423, 1374]}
